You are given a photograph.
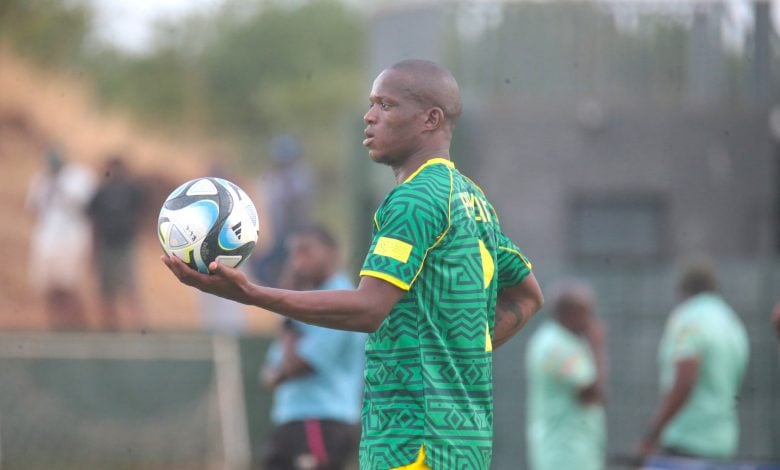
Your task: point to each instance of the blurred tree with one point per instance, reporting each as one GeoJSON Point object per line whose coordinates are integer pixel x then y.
{"type": "Point", "coordinates": [283, 68]}
{"type": "Point", "coordinates": [156, 88]}
{"type": "Point", "coordinates": [52, 32]}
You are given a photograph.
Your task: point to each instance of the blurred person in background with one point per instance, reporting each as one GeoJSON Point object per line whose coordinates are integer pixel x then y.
{"type": "Point", "coordinates": [702, 357]}
{"type": "Point", "coordinates": [60, 243]}
{"type": "Point", "coordinates": [776, 319]}
{"type": "Point", "coordinates": [115, 212]}
{"type": "Point", "coordinates": [315, 373]}
{"type": "Point", "coordinates": [288, 193]}
{"type": "Point", "coordinates": [565, 367]}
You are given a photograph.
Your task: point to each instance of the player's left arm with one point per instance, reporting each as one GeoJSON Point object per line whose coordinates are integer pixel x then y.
{"type": "Point", "coordinates": [686, 373]}
{"type": "Point", "coordinates": [515, 306]}
{"type": "Point", "coordinates": [361, 309]}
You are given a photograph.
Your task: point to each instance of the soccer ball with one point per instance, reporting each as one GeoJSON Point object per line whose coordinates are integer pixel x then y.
{"type": "Point", "coordinates": [208, 219]}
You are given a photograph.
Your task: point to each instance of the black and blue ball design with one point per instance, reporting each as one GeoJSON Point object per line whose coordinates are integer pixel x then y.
{"type": "Point", "coordinates": [208, 219]}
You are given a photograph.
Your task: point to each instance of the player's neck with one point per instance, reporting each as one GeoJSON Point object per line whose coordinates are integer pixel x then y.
{"type": "Point", "coordinates": [403, 171]}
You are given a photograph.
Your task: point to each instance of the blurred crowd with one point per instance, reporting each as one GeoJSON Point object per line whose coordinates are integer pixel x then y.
{"type": "Point", "coordinates": [85, 221]}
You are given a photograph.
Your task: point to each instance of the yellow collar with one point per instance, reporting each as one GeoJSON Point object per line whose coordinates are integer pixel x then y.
{"type": "Point", "coordinates": [432, 161]}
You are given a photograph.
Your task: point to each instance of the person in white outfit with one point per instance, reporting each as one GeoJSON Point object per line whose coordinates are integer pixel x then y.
{"type": "Point", "coordinates": [61, 237]}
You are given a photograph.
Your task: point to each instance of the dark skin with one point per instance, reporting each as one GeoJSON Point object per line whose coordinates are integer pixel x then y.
{"type": "Point", "coordinates": [403, 132]}
{"type": "Point", "coordinates": [776, 319]}
{"type": "Point", "coordinates": [574, 312]}
{"type": "Point", "coordinates": [292, 364]}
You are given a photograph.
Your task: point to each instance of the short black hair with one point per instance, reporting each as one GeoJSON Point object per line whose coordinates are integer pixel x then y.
{"type": "Point", "coordinates": [698, 276]}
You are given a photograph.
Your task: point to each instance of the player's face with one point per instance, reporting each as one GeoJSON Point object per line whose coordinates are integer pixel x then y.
{"type": "Point", "coordinates": [310, 258]}
{"type": "Point", "coordinates": [394, 120]}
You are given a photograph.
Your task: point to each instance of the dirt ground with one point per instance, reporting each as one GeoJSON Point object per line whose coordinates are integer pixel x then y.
{"type": "Point", "coordinates": [37, 106]}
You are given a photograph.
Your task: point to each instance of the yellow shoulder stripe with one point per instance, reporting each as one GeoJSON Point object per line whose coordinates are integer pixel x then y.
{"type": "Point", "coordinates": [386, 277]}
{"type": "Point", "coordinates": [523, 258]}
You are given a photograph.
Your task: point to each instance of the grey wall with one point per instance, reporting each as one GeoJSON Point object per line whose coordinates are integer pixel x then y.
{"type": "Point", "coordinates": [710, 168]}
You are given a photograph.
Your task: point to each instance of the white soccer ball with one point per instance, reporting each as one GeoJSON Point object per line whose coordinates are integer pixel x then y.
{"type": "Point", "coordinates": [208, 219]}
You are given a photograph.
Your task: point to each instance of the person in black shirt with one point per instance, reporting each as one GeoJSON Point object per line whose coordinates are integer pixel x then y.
{"type": "Point", "coordinates": [115, 213]}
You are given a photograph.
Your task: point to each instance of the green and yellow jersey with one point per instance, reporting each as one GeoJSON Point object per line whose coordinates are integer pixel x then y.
{"type": "Point", "coordinates": [429, 365]}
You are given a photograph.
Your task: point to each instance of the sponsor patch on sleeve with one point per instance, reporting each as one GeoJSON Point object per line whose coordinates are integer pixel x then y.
{"type": "Point", "coordinates": [393, 248]}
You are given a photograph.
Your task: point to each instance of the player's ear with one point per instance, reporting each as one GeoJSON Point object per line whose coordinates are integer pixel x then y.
{"type": "Point", "coordinates": [434, 118]}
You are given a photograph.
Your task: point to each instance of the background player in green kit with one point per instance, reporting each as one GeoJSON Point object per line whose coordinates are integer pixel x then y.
{"type": "Point", "coordinates": [441, 286]}
{"type": "Point", "coordinates": [565, 367]}
{"type": "Point", "coordinates": [702, 356]}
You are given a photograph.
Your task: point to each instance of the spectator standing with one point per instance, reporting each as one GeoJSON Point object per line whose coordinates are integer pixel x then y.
{"type": "Point", "coordinates": [115, 212]}
{"type": "Point", "coordinates": [57, 197]}
{"type": "Point", "coordinates": [288, 191]}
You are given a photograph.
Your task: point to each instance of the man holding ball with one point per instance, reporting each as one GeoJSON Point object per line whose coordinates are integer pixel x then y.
{"type": "Point", "coordinates": [441, 286]}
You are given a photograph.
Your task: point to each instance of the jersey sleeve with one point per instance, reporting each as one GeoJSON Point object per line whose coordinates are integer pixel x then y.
{"type": "Point", "coordinates": [512, 265]}
{"type": "Point", "coordinates": [411, 221]}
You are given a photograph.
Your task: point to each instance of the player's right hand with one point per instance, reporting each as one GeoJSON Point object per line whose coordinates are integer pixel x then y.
{"type": "Point", "coordinates": [222, 281]}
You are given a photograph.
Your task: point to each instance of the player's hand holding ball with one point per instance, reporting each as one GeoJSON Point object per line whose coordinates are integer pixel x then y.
{"type": "Point", "coordinates": [208, 227]}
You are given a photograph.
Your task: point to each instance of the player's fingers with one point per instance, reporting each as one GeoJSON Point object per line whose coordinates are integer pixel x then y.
{"type": "Point", "coordinates": [168, 263]}
{"type": "Point", "coordinates": [216, 268]}
{"type": "Point", "coordinates": [175, 265]}
{"type": "Point", "coordinates": [180, 270]}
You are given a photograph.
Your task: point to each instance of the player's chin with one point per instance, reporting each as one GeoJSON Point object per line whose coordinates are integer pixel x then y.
{"type": "Point", "coordinates": [380, 157]}
{"type": "Point", "coordinates": [376, 155]}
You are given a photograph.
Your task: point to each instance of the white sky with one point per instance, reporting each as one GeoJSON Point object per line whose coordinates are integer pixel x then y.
{"type": "Point", "coordinates": [129, 24]}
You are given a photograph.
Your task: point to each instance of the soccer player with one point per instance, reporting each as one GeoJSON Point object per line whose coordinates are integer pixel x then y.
{"type": "Point", "coordinates": [565, 370]}
{"type": "Point", "coordinates": [702, 357]}
{"type": "Point", "coordinates": [441, 286]}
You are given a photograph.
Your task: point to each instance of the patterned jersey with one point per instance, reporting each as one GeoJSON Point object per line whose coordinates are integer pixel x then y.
{"type": "Point", "coordinates": [429, 378]}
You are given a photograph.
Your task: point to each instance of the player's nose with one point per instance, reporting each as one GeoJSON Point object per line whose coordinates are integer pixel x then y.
{"type": "Point", "coordinates": [370, 116]}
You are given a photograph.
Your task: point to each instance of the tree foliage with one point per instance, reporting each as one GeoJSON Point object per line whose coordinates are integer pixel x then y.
{"type": "Point", "coordinates": [253, 69]}
{"type": "Point", "coordinates": [51, 32]}
{"type": "Point", "coordinates": [282, 68]}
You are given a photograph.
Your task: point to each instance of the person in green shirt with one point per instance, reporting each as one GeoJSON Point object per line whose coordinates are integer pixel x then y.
{"type": "Point", "coordinates": [440, 288]}
{"type": "Point", "coordinates": [565, 369]}
{"type": "Point", "coordinates": [702, 358]}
